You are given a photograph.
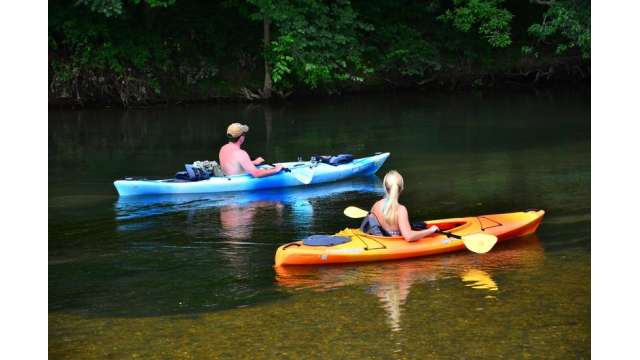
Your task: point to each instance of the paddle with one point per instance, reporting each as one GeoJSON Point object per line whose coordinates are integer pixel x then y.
{"type": "Point", "coordinates": [478, 243]}
{"type": "Point", "coordinates": [302, 174]}
{"type": "Point", "coordinates": [355, 212]}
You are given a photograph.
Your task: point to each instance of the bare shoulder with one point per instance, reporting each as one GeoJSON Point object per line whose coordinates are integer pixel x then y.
{"type": "Point", "coordinates": [227, 149]}
{"type": "Point", "coordinates": [402, 209]}
{"type": "Point", "coordinates": [242, 154]}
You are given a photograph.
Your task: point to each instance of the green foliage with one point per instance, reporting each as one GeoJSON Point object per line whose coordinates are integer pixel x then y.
{"type": "Point", "coordinates": [110, 8]}
{"type": "Point", "coordinates": [282, 61]}
{"type": "Point", "coordinates": [493, 23]}
{"type": "Point", "coordinates": [97, 52]}
{"type": "Point", "coordinates": [403, 42]}
{"type": "Point", "coordinates": [107, 8]}
{"type": "Point", "coordinates": [566, 25]}
{"type": "Point", "coordinates": [407, 52]}
{"type": "Point", "coordinates": [137, 50]}
{"type": "Point", "coordinates": [128, 57]}
{"type": "Point", "coordinates": [316, 43]}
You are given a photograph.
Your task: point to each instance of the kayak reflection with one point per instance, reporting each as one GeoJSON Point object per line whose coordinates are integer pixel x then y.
{"type": "Point", "coordinates": [391, 281]}
{"type": "Point", "coordinates": [135, 207]}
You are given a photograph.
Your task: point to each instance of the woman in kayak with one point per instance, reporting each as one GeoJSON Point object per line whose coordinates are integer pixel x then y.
{"type": "Point", "coordinates": [392, 216]}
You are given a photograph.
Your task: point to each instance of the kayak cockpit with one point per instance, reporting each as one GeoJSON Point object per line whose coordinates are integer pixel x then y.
{"type": "Point", "coordinates": [447, 225]}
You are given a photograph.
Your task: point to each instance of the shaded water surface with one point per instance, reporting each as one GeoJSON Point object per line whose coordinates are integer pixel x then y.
{"type": "Point", "coordinates": [192, 276]}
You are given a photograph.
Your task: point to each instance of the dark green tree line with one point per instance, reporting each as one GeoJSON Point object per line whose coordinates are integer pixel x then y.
{"type": "Point", "coordinates": [137, 51]}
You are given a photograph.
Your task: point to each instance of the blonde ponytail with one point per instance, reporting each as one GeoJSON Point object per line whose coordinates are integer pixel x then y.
{"type": "Point", "coordinates": [393, 186]}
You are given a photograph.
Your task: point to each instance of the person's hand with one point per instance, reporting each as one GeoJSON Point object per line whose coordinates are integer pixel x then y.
{"type": "Point", "coordinates": [277, 167]}
{"type": "Point", "coordinates": [258, 161]}
{"type": "Point", "coordinates": [434, 228]}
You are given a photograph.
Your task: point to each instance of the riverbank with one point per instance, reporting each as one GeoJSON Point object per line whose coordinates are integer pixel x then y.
{"type": "Point", "coordinates": [553, 73]}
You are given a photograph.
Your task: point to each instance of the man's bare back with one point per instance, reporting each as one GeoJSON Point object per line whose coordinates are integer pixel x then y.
{"type": "Point", "coordinates": [234, 160]}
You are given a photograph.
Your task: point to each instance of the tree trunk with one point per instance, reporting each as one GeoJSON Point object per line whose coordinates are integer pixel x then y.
{"type": "Point", "coordinates": [268, 83]}
{"type": "Point", "coordinates": [268, 124]}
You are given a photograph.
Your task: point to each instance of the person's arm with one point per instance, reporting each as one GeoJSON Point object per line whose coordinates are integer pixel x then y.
{"type": "Point", "coordinates": [249, 167]}
{"type": "Point", "coordinates": [258, 161]}
{"type": "Point", "coordinates": [405, 227]}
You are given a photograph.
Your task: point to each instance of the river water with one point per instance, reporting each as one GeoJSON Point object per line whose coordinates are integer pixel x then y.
{"type": "Point", "coordinates": [192, 276]}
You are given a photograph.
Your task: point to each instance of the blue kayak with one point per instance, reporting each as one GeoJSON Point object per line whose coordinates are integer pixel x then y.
{"type": "Point", "coordinates": [300, 173]}
{"type": "Point", "coordinates": [298, 197]}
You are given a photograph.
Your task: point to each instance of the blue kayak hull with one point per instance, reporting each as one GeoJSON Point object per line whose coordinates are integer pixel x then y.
{"type": "Point", "coordinates": [322, 173]}
{"type": "Point", "coordinates": [297, 197]}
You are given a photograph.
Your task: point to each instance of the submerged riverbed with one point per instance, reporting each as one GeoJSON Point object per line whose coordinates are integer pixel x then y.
{"type": "Point", "coordinates": [193, 277]}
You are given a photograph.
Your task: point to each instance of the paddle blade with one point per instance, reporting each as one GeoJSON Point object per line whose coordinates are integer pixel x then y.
{"type": "Point", "coordinates": [355, 213]}
{"type": "Point", "coordinates": [303, 174]}
{"type": "Point", "coordinates": [479, 243]}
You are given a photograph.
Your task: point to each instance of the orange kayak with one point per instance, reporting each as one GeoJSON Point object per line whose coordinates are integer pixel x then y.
{"type": "Point", "coordinates": [526, 252]}
{"type": "Point", "coordinates": [363, 247]}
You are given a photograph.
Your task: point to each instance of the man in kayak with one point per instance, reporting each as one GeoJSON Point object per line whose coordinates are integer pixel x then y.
{"type": "Point", "coordinates": [234, 160]}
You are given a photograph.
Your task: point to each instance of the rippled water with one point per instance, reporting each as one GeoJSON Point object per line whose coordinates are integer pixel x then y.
{"type": "Point", "coordinates": [192, 276]}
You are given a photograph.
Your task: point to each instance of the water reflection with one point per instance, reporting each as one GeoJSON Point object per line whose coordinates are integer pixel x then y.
{"type": "Point", "coordinates": [391, 282]}
{"type": "Point", "coordinates": [298, 198]}
{"type": "Point", "coordinates": [478, 279]}
{"type": "Point", "coordinates": [236, 220]}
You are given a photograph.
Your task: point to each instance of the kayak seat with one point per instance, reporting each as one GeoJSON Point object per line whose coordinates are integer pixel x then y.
{"type": "Point", "coordinates": [371, 226]}
{"type": "Point", "coordinates": [325, 240]}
